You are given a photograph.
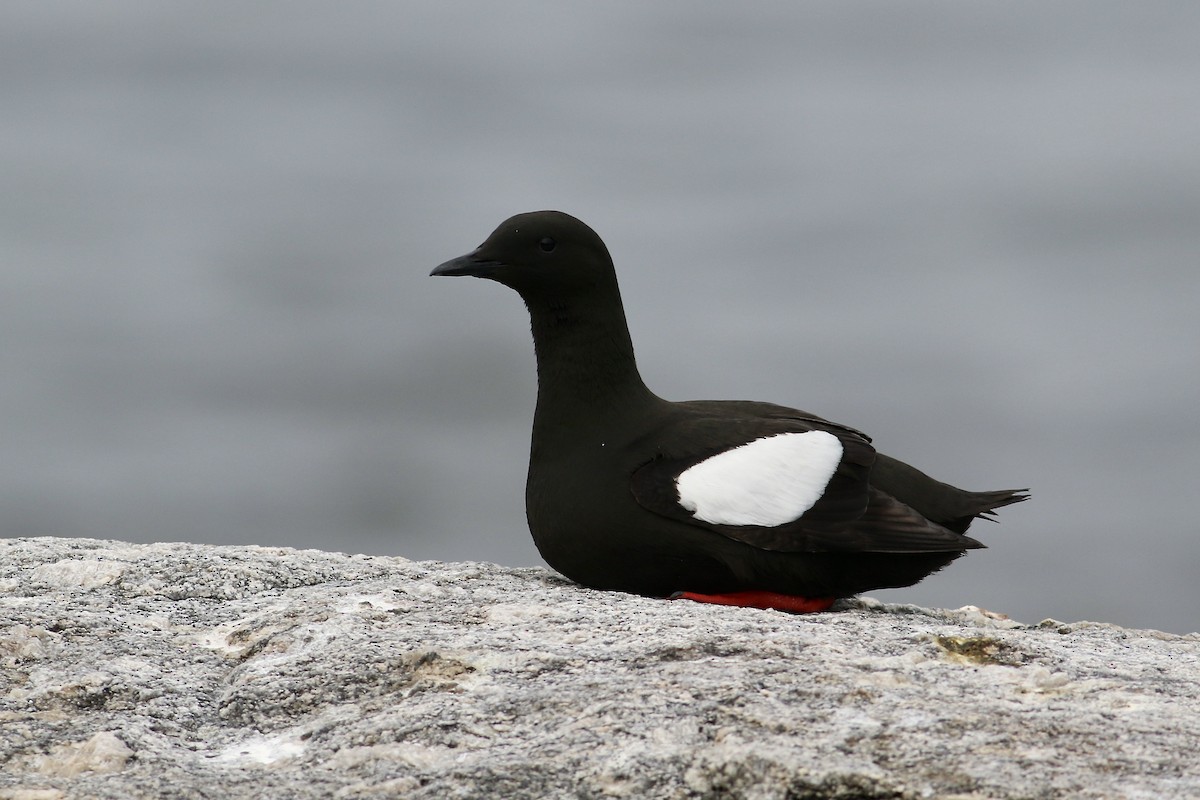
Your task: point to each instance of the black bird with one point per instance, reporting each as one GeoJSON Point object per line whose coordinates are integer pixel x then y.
{"type": "Point", "coordinates": [731, 502]}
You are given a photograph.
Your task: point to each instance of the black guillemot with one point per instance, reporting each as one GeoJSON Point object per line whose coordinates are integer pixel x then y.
{"type": "Point", "coordinates": [733, 502]}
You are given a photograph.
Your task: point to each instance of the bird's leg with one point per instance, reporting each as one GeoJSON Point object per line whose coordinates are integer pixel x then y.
{"type": "Point", "coordinates": [755, 598]}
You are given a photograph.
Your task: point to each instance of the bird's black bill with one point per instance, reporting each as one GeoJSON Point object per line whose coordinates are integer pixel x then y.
{"type": "Point", "coordinates": [470, 264]}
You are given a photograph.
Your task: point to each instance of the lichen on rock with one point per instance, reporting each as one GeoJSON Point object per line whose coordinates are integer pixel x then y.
{"type": "Point", "coordinates": [177, 670]}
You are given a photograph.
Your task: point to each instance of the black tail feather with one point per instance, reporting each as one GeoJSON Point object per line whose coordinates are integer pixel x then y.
{"type": "Point", "coordinates": [983, 505]}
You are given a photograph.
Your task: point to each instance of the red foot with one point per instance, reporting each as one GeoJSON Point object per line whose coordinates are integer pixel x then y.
{"type": "Point", "coordinates": [754, 598]}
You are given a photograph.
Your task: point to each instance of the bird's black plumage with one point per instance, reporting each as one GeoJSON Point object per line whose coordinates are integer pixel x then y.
{"type": "Point", "coordinates": [605, 495]}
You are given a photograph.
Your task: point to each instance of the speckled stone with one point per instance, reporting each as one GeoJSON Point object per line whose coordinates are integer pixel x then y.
{"type": "Point", "coordinates": [190, 671]}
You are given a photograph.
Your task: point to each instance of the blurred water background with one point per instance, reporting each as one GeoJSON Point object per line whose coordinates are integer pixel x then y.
{"type": "Point", "coordinates": [969, 229]}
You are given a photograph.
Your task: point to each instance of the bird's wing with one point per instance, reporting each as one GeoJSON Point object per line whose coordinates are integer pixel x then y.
{"type": "Point", "coordinates": [786, 481]}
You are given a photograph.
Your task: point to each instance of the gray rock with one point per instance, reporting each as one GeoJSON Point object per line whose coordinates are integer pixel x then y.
{"type": "Point", "coordinates": [188, 671]}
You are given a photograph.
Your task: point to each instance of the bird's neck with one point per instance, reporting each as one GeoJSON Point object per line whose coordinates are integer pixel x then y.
{"type": "Point", "coordinates": [586, 368]}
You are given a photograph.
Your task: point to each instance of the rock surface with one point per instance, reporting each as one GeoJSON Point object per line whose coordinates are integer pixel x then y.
{"type": "Point", "coordinates": [190, 671]}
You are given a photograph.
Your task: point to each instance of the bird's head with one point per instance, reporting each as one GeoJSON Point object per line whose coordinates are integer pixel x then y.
{"type": "Point", "coordinates": [541, 254]}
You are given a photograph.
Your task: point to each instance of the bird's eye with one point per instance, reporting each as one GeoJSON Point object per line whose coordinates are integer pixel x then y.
{"type": "Point", "coordinates": [547, 244]}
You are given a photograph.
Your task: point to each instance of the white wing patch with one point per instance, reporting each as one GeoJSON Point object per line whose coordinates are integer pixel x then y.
{"type": "Point", "coordinates": [768, 482]}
